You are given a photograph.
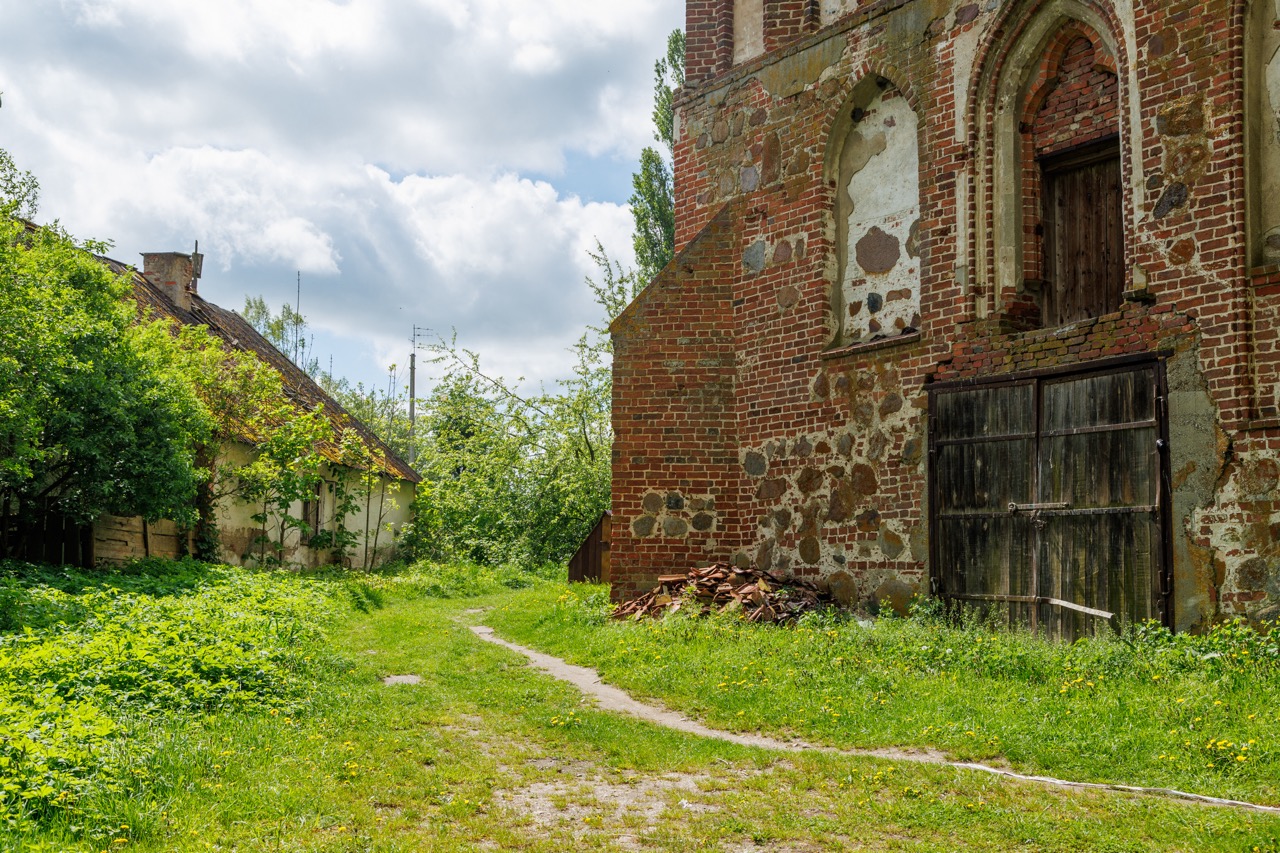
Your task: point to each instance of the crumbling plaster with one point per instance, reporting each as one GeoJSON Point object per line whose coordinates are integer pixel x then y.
{"type": "Point", "coordinates": [748, 29]}
{"type": "Point", "coordinates": [1197, 446]}
{"type": "Point", "coordinates": [877, 215]}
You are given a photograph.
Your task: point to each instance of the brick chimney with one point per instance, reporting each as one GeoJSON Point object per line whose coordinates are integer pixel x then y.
{"type": "Point", "coordinates": [174, 273]}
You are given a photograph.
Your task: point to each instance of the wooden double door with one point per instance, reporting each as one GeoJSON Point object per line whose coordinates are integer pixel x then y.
{"type": "Point", "coordinates": [1048, 497]}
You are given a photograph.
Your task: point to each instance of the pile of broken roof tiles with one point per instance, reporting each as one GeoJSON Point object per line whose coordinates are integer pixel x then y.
{"type": "Point", "coordinates": [758, 596]}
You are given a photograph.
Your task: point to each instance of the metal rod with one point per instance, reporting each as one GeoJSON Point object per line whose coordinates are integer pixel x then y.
{"type": "Point", "coordinates": [1131, 425]}
{"type": "Point", "coordinates": [1034, 599]}
{"type": "Point", "coordinates": [1005, 513]}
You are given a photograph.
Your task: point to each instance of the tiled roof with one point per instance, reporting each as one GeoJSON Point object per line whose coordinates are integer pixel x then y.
{"type": "Point", "coordinates": [236, 332]}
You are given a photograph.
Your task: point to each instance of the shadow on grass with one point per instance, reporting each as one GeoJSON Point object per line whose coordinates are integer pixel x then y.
{"type": "Point", "coordinates": [153, 576]}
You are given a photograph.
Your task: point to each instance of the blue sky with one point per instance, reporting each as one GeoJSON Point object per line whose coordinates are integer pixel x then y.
{"type": "Point", "coordinates": [440, 162]}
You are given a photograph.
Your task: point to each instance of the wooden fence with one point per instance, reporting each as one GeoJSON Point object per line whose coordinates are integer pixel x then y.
{"type": "Point", "coordinates": [591, 563]}
{"type": "Point", "coordinates": [54, 539]}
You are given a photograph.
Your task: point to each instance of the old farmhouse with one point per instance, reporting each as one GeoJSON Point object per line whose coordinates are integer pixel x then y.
{"type": "Point", "coordinates": [971, 297]}
{"type": "Point", "coordinates": [167, 287]}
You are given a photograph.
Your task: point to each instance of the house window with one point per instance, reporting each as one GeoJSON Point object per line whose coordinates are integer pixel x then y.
{"type": "Point", "coordinates": [1083, 222]}
{"type": "Point", "coordinates": [311, 510]}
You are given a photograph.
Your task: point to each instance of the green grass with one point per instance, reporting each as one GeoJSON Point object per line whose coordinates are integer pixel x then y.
{"type": "Point", "coordinates": [1200, 714]}
{"type": "Point", "coordinates": [486, 753]}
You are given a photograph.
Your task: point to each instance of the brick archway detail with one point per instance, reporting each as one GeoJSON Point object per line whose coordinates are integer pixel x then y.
{"type": "Point", "coordinates": [1014, 71]}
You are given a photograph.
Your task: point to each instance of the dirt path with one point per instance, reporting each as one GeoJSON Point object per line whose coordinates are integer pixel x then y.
{"type": "Point", "coordinates": [613, 699]}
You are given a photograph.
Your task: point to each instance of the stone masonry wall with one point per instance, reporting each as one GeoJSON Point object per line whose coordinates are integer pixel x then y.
{"type": "Point", "coordinates": [818, 460]}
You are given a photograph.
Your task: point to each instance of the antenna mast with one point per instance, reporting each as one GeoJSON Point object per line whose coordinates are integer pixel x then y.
{"type": "Point", "coordinates": [297, 319]}
{"type": "Point", "coordinates": [413, 376]}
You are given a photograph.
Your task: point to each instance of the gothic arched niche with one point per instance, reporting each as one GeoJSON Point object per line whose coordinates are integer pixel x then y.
{"type": "Point", "coordinates": [1072, 184]}
{"type": "Point", "coordinates": [876, 170]}
{"type": "Point", "coordinates": [1023, 118]}
{"type": "Point", "coordinates": [1262, 92]}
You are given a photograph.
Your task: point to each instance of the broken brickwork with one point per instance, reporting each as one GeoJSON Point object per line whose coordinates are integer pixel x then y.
{"type": "Point", "coordinates": [861, 217]}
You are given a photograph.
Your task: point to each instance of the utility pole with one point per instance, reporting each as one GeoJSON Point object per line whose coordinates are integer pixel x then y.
{"type": "Point", "coordinates": [413, 402]}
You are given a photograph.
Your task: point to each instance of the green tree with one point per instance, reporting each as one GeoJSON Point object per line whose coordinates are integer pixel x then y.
{"type": "Point", "coordinates": [668, 75]}
{"type": "Point", "coordinates": [234, 387]}
{"type": "Point", "coordinates": [92, 420]}
{"type": "Point", "coordinates": [653, 197]}
{"type": "Point", "coordinates": [286, 331]}
{"type": "Point", "coordinates": [385, 411]}
{"type": "Point", "coordinates": [524, 477]}
{"type": "Point", "coordinates": [286, 469]}
{"type": "Point", "coordinates": [515, 477]}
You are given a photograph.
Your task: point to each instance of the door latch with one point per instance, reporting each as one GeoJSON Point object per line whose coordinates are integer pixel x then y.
{"type": "Point", "coordinates": [1015, 508]}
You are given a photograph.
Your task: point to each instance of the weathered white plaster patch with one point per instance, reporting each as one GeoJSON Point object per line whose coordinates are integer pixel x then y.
{"type": "Point", "coordinates": [965, 51]}
{"type": "Point", "coordinates": [833, 9]}
{"type": "Point", "coordinates": [880, 276]}
{"type": "Point", "coordinates": [748, 29]}
{"type": "Point", "coordinates": [1273, 92]}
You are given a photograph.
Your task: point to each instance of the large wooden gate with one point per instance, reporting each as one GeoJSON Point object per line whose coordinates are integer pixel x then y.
{"type": "Point", "coordinates": [1048, 497]}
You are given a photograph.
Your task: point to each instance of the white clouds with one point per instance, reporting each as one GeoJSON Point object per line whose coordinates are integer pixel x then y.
{"type": "Point", "coordinates": [239, 30]}
{"type": "Point", "coordinates": [380, 146]}
{"type": "Point", "coordinates": [250, 208]}
{"type": "Point", "coordinates": [501, 227]}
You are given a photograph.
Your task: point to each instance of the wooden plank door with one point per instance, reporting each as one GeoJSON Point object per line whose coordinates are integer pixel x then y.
{"type": "Point", "coordinates": [1083, 213]}
{"type": "Point", "coordinates": [983, 453]}
{"type": "Point", "coordinates": [1099, 481]}
{"type": "Point", "coordinates": [1047, 498]}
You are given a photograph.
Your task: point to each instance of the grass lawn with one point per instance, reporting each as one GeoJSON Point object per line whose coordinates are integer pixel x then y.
{"type": "Point", "coordinates": [304, 748]}
{"type": "Point", "coordinates": [1195, 714]}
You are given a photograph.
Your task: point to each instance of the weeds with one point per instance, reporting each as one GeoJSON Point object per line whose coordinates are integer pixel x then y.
{"type": "Point", "coordinates": [104, 673]}
{"type": "Point", "coordinates": [80, 673]}
{"type": "Point", "coordinates": [439, 580]}
{"type": "Point", "coordinates": [224, 709]}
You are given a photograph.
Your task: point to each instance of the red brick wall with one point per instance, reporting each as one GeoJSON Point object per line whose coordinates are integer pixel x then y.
{"type": "Point", "coordinates": [787, 20]}
{"type": "Point", "coordinates": [1082, 104]}
{"type": "Point", "coordinates": [708, 27]}
{"type": "Point", "coordinates": [818, 462]}
{"type": "Point", "coordinates": [673, 397]}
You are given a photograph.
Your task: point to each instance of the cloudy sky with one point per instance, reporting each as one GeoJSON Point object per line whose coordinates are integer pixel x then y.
{"type": "Point", "coordinates": [440, 162]}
